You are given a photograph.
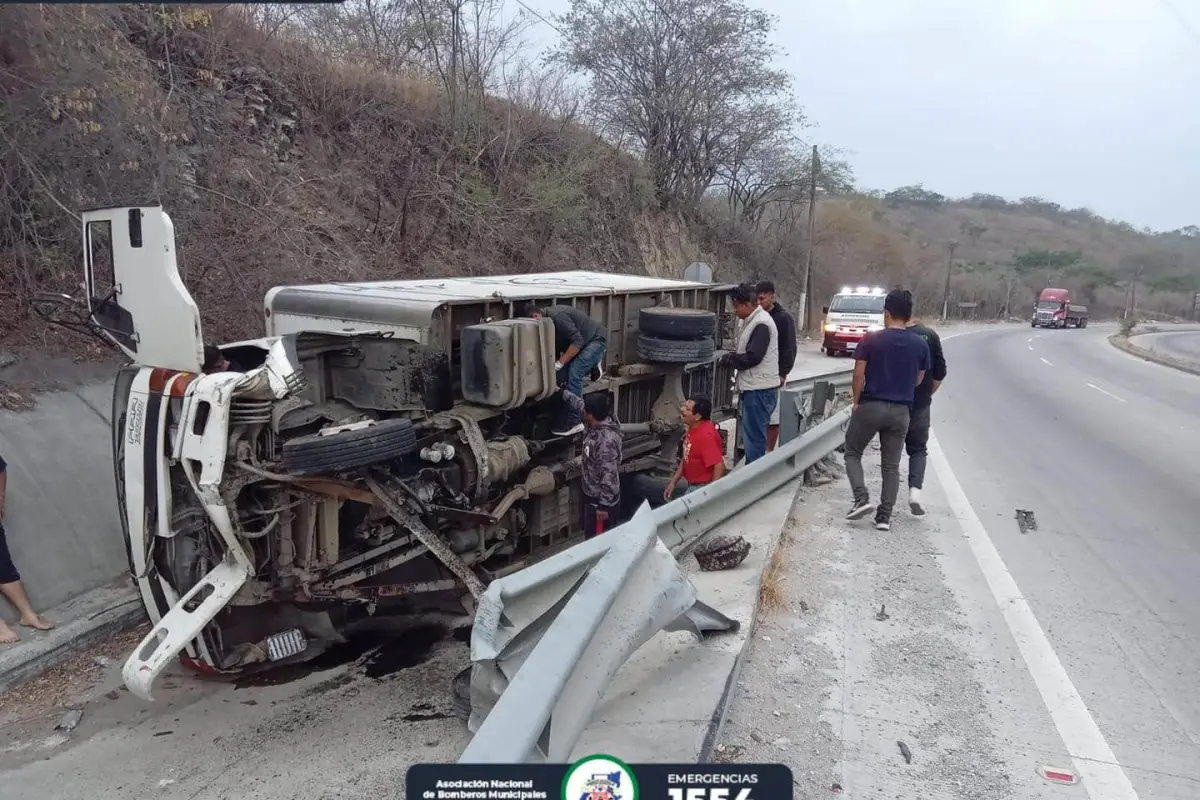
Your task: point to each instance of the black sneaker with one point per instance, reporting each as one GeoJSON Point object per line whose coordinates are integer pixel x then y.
{"type": "Point", "coordinates": [882, 523]}
{"type": "Point", "coordinates": [859, 510]}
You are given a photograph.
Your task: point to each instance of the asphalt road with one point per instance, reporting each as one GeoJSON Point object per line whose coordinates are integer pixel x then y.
{"type": "Point", "coordinates": [1102, 448]}
{"type": "Point", "coordinates": [1181, 345]}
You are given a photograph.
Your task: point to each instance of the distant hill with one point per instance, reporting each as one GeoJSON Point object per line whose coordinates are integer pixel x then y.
{"type": "Point", "coordinates": [1003, 251]}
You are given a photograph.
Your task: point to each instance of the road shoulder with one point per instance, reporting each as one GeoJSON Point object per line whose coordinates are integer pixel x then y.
{"type": "Point", "coordinates": [888, 638]}
{"type": "Point", "coordinates": [1126, 345]}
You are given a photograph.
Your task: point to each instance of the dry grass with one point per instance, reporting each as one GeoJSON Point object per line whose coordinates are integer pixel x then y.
{"type": "Point", "coordinates": [772, 595]}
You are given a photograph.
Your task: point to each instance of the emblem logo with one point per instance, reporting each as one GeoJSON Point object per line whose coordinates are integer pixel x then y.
{"type": "Point", "coordinates": [599, 777]}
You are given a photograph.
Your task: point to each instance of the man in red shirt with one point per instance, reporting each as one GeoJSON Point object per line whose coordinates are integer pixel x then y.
{"type": "Point", "coordinates": [703, 453]}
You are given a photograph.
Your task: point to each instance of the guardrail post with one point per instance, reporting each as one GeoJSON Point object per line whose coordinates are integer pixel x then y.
{"type": "Point", "coordinates": [791, 414]}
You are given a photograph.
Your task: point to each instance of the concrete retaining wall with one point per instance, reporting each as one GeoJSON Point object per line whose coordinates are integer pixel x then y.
{"type": "Point", "coordinates": [61, 511]}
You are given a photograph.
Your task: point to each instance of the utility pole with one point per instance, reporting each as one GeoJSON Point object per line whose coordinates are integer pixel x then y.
{"type": "Point", "coordinates": [814, 167]}
{"type": "Point", "coordinates": [1195, 298]}
{"type": "Point", "coordinates": [951, 246]}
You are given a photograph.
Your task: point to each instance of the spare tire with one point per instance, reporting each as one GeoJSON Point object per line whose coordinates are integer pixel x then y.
{"type": "Point", "coordinates": [677, 323]}
{"type": "Point", "coordinates": [675, 351]}
{"type": "Point", "coordinates": [340, 450]}
{"type": "Point", "coordinates": [721, 552]}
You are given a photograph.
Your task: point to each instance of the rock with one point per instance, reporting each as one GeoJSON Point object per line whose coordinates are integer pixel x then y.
{"type": "Point", "coordinates": [69, 720]}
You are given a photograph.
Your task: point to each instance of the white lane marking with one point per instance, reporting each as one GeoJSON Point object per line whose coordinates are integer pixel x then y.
{"type": "Point", "coordinates": [1031, 348]}
{"type": "Point", "coordinates": [1030, 339]}
{"type": "Point", "coordinates": [1110, 394]}
{"type": "Point", "coordinates": [1047, 363]}
{"type": "Point", "coordinates": [1103, 777]}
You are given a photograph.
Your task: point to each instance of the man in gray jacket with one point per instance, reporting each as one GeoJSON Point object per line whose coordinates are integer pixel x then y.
{"type": "Point", "coordinates": [581, 342]}
{"type": "Point", "coordinates": [601, 460]}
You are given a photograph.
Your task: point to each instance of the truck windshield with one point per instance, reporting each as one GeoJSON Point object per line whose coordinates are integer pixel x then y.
{"type": "Point", "coordinates": [1049, 305]}
{"type": "Point", "coordinates": [857, 303]}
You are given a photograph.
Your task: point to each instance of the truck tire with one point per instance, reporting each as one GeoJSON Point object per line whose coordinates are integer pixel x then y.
{"type": "Point", "coordinates": [677, 323]}
{"type": "Point", "coordinates": [380, 441]}
{"type": "Point", "coordinates": [675, 351]}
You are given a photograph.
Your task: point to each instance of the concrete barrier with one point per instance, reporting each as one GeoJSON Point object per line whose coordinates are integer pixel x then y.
{"type": "Point", "coordinates": [60, 513]}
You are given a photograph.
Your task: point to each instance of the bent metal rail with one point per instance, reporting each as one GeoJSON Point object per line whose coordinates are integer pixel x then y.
{"type": "Point", "coordinates": [548, 640]}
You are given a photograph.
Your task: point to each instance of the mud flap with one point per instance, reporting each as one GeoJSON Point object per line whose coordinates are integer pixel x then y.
{"type": "Point", "coordinates": [180, 626]}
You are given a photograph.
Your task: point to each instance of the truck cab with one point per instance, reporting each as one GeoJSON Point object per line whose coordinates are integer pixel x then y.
{"type": "Point", "coordinates": [384, 445]}
{"type": "Point", "coordinates": [851, 314]}
{"type": "Point", "coordinates": [1054, 309]}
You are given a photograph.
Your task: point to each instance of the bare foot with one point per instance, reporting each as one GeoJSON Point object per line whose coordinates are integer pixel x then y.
{"type": "Point", "coordinates": [7, 634]}
{"type": "Point", "coordinates": [36, 622]}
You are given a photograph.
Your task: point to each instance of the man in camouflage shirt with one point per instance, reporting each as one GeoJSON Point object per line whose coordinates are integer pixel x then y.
{"type": "Point", "coordinates": [601, 460]}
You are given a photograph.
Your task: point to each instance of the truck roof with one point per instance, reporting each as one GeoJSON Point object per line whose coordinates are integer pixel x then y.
{"type": "Point", "coordinates": [504, 288]}
{"type": "Point", "coordinates": [414, 301]}
{"type": "Point", "coordinates": [1054, 294]}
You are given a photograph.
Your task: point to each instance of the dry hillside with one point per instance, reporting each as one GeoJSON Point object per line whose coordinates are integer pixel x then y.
{"type": "Point", "coordinates": [279, 166]}
{"type": "Point", "coordinates": [283, 158]}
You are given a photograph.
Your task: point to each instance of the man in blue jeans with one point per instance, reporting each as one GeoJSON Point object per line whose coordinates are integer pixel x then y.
{"type": "Point", "coordinates": [581, 341]}
{"type": "Point", "coordinates": [757, 365]}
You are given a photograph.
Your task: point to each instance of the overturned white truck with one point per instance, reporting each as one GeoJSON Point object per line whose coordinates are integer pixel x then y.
{"type": "Point", "coordinates": [386, 446]}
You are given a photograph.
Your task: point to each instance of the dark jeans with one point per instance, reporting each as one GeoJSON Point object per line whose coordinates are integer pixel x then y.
{"type": "Point", "coordinates": [890, 422]}
{"type": "Point", "coordinates": [756, 407]}
{"type": "Point", "coordinates": [8, 570]}
{"type": "Point", "coordinates": [916, 442]}
{"type": "Point", "coordinates": [582, 364]}
{"type": "Point", "coordinates": [591, 526]}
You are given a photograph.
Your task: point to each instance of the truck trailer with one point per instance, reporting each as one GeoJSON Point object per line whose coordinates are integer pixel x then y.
{"type": "Point", "coordinates": [384, 446]}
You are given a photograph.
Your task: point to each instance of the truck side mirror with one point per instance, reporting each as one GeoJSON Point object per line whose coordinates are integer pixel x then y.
{"type": "Point", "coordinates": [824, 309]}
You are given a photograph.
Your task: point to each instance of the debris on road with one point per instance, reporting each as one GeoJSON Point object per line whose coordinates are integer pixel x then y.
{"type": "Point", "coordinates": [904, 751]}
{"type": "Point", "coordinates": [1026, 521]}
{"type": "Point", "coordinates": [882, 615]}
{"type": "Point", "coordinates": [45, 695]}
{"type": "Point", "coordinates": [68, 721]}
{"type": "Point", "coordinates": [722, 552]}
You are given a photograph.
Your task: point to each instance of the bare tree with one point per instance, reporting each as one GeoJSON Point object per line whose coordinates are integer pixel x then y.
{"type": "Point", "coordinates": [687, 80]}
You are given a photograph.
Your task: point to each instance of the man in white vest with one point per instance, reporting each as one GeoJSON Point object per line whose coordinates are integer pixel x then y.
{"type": "Point", "coordinates": [757, 365]}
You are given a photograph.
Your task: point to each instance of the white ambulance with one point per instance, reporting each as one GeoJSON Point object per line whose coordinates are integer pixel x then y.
{"type": "Point", "coordinates": [851, 314]}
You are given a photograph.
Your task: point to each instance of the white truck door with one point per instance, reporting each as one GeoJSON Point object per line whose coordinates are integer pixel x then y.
{"type": "Point", "coordinates": [134, 290]}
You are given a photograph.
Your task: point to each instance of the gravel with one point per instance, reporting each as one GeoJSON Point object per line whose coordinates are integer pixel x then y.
{"type": "Point", "coordinates": [831, 687]}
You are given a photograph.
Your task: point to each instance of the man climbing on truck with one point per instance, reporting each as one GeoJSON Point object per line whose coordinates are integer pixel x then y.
{"type": "Point", "coordinates": [581, 341]}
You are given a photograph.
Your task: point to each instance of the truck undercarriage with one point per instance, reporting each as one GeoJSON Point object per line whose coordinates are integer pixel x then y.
{"type": "Point", "coordinates": [334, 474]}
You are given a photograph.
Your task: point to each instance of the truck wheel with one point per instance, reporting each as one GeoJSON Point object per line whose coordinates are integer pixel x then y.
{"type": "Point", "coordinates": [674, 351]}
{"type": "Point", "coordinates": [350, 447]}
{"type": "Point", "coordinates": [677, 323]}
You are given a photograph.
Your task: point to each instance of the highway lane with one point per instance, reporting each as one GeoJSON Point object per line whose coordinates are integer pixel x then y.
{"type": "Point", "coordinates": [1102, 447]}
{"type": "Point", "coordinates": [1181, 345]}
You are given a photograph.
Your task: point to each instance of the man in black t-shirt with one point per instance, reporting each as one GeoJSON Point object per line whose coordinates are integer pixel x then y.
{"type": "Point", "coordinates": [889, 365]}
{"type": "Point", "coordinates": [785, 326]}
{"type": "Point", "coordinates": [916, 440]}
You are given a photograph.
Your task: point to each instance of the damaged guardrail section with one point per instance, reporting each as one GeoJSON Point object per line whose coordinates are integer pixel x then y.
{"type": "Point", "coordinates": [549, 640]}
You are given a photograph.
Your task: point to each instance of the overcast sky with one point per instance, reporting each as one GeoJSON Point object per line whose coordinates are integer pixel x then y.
{"type": "Point", "coordinates": [1083, 102]}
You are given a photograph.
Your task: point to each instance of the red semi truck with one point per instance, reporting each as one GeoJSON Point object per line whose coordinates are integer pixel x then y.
{"type": "Point", "coordinates": [1054, 309]}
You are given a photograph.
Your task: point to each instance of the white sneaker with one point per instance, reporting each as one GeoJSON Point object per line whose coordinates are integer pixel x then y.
{"type": "Point", "coordinates": [914, 502]}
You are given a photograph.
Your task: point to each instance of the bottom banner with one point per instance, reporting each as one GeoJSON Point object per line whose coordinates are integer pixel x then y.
{"type": "Point", "coordinates": [598, 777]}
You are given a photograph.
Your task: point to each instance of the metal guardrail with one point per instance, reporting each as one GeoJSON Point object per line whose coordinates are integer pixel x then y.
{"type": "Point", "coordinates": [548, 640]}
